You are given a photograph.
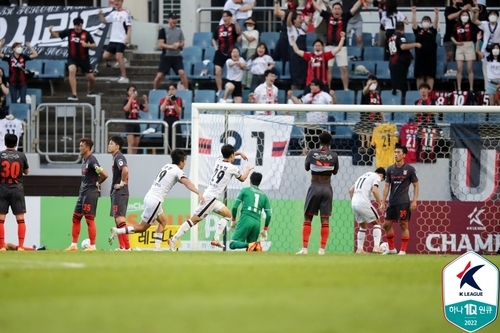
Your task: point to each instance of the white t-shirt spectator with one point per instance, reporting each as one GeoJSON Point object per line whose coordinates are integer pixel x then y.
{"type": "Point", "coordinates": [234, 73]}
{"type": "Point", "coordinates": [266, 95]}
{"type": "Point", "coordinates": [493, 70]}
{"type": "Point", "coordinates": [259, 65]}
{"type": "Point", "coordinates": [120, 21]}
{"type": "Point", "coordinates": [245, 44]}
{"type": "Point", "coordinates": [243, 15]}
{"type": "Point", "coordinates": [390, 21]}
{"type": "Point", "coordinates": [296, 32]}
{"type": "Point", "coordinates": [488, 31]}
{"type": "Point", "coordinates": [231, 7]}
{"type": "Point", "coordinates": [319, 98]}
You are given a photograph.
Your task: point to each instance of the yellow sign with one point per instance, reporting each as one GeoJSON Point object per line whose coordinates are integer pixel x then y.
{"type": "Point", "coordinates": [146, 239]}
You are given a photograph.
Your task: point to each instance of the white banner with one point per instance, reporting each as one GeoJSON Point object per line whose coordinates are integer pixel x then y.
{"type": "Point", "coordinates": [264, 139]}
{"type": "Point", "coordinates": [32, 220]}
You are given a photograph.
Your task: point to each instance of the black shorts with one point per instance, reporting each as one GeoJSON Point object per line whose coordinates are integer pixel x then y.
{"type": "Point", "coordinates": [115, 48]}
{"type": "Point", "coordinates": [167, 63]}
{"type": "Point", "coordinates": [12, 197]}
{"type": "Point", "coordinates": [398, 213]}
{"type": "Point", "coordinates": [220, 59]}
{"type": "Point", "coordinates": [83, 64]}
{"type": "Point", "coordinates": [134, 129]}
{"type": "Point", "coordinates": [319, 198]}
{"type": "Point", "coordinates": [87, 204]}
{"type": "Point", "coordinates": [399, 73]}
{"type": "Point", "coordinates": [238, 88]}
{"type": "Point", "coordinates": [119, 203]}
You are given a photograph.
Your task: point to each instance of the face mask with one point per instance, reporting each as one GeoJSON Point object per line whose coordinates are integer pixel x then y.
{"type": "Point", "coordinates": [464, 19]}
{"type": "Point", "coordinates": [19, 50]}
{"type": "Point", "coordinates": [373, 86]}
{"type": "Point", "coordinates": [493, 18]}
{"type": "Point", "coordinates": [250, 27]}
{"type": "Point", "coordinates": [495, 52]}
{"type": "Point", "coordinates": [426, 24]}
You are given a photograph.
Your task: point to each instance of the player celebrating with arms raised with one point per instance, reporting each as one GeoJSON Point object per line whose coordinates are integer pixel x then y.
{"type": "Point", "coordinates": [399, 176]}
{"type": "Point", "coordinates": [323, 163]}
{"type": "Point", "coordinates": [363, 209]}
{"type": "Point", "coordinates": [224, 170]}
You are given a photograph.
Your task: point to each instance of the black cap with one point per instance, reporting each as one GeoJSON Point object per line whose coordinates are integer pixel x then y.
{"type": "Point", "coordinates": [172, 16]}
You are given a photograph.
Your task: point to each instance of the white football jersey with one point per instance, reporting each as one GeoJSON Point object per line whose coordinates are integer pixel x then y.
{"type": "Point", "coordinates": [221, 175]}
{"type": "Point", "coordinates": [10, 126]}
{"type": "Point", "coordinates": [363, 188]}
{"type": "Point", "coordinates": [168, 176]}
{"type": "Point", "coordinates": [120, 21]}
{"type": "Point", "coordinates": [266, 95]}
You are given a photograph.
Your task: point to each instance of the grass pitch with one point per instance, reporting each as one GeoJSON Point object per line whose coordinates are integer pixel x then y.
{"type": "Point", "coordinates": [222, 292]}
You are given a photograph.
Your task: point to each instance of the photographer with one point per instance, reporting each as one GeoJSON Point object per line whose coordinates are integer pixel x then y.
{"type": "Point", "coordinates": [132, 106]}
{"type": "Point", "coordinates": [17, 69]}
{"type": "Point", "coordinates": [171, 107]}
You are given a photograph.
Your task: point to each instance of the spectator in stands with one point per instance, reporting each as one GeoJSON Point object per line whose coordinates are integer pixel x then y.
{"type": "Point", "coordinates": [337, 23]}
{"type": "Point", "coordinates": [171, 57]}
{"type": "Point", "coordinates": [236, 65]}
{"type": "Point", "coordinates": [296, 29]}
{"type": "Point", "coordinates": [258, 64]}
{"type": "Point", "coordinates": [4, 91]}
{"type": "Point", "coordinates": [239, 9]}
{"type": "Point", "coordinates": [224, 40]}
{"type": "Point", "coordinates": [425, 99]}
{"type": "Point", "coordinates": [132, 106]}
{"type": "Point", "coordinates": [493, 73]}
{"type": "Point", "coordinates": [17, 69]}
{"type": "Point", "coordinates": [451, 14]}
{"type": "Point", "coordinates": [249, 44]}
{"type": "Point", "coordinates": [464, 36]}
{"type": "Point", "coordinates": [355, 23]}
{"type": "Point", "coordinates": [483, 11]}
{"type": "Point", "coordinates": [400, 59]}
{"type": "Point", "coordinates": [15, 3]}
{"type": "Point", "coordinates": [281, 52]}
{"type": "Point", "coordinates": [79, 43]}
{"type": "Point", "coordinates": [389, 20]}
{"type": "Point", "coordinates": [266, 93]}
{"type": "Point", "coordinates": [491, 35]}
{"type": "Point", "coordinates": [317, 62]}
{"type": "Point", "coordinates": [426, 56]}
{"type": "Point", "coordinates": [119, 38]}
{"type": "Point", "coordinates": [171, 107]}
{"type": "Point", "coordinates": [367, 120]}
{"type": "Point", "coordinates": [381, 5]}
{"type": "Point", "coordinates": [315, 119]}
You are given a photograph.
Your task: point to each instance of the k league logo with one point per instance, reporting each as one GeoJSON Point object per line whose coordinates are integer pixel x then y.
{"type": "Point", "coordinates": [470, 292]}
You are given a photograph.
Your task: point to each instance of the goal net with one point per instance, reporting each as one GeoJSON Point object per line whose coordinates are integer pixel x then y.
{"type": "Point", "coordinates": [455, 151]}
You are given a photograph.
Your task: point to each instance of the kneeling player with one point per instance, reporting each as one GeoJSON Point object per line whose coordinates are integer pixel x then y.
{"type": "Point", "coordinates": [14, 247]}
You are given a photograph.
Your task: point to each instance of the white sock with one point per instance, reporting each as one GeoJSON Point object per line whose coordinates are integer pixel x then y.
{"type": "Point", "coordinates": [221, 225]}
{"type": "Point", "coordinates": [182, 230]}
{"type": "Point", "coordinates": [127, 230]}
{"type": "Point", "coordinates": [158, 239]}
{"type": "Point", "coordinates": [74, 244]}
{"type": "Point", "coordinates": [377, 234]}
{"type": "Point", "coordinates": [361, 238]}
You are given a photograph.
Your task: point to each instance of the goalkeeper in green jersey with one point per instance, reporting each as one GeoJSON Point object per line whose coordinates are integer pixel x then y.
{"type": "Point", "coordinates": [253, 201]}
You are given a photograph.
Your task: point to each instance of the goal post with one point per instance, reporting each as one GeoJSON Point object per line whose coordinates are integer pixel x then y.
{"type": "Point", "coordinates": [458, 165]}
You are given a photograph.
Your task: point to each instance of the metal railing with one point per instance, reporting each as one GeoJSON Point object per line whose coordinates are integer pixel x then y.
{"type": "Point", "coordinates": [163, 135]}
{"type": "Point", "coordinates": [185, 133]}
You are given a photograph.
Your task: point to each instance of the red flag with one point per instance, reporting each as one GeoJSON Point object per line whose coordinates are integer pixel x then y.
{"type": "Point", "coordinates": [279, 148]}
{"type": "Point", "coordinates": [205, 146]}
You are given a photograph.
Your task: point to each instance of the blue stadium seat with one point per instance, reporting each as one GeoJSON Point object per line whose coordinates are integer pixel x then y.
{"type": "Point", "coordinates": [345, 97]}
{"type": "Point", "coordinates": [439, 70]}
{"type": "Point", "coordinates": [53, 69]}
{"type": "Point", "coordinates": [337, 116]}
{"type": "Point", "coordinates": [278, 69]}
{"type": "Point", "coordinates": [375, 40]}
{"type": "Point", "coordinates": [439, 40]}
{"type": "Point", "coordinates": [374, 53]}
{"type": "Point", "coordinates": [383, 72]}
{"type": "Point", "coordinates": [286, 74]}
{"type": "Point", "coordinates": [5, 66]}
{"type": "Point", "coordinates": [367, 39]}
{"type": "Point", "coordinates": [36, 65]}
{"type": "Point", "coordinates": [310, 38]}
{"type": "Point", "coordinates": [36, 92]}
{"type": "Point", "coordinates": [402, 117]}
{"type": "Point", "coordinates": [270, 39]}
{"type": "Point", "coordinates": [202, 39]}
{"type": "Point", "coordinates": [441, 54]}
{"type": "Point", "coordinates": [389, 99]}
{"type": "Point", "coordinates": [192, 53]}
{"type": "Point", "coordinates": [336, 72]}
{"type": "Point", "coordinates": [202, 71]}
{"type": "Point", "coordinates": [475, 117]}
{"type": "Point", "coordinates": [246, 95]}
{"type": "Point", "coordinates": [354, 51]}
{"type": "Point", "coordinates": [453, 117]}
{"type": "Point", "coordinates": [477, 70]}
{"type": "Point", "coordinates": [281, 96]}
{"type": "Point", "coordinates": [20, 111]}
{"type": "Point", "coordinates": [411, 97]}
{"type": "Point", "coordinates": [204, 96]}
{"type": "Point", "coordinates": [369, 65]}
{"type": "Point", "coordinates": [209, 53]}
{"type": "Point", "coordinates": [411, 71]}
{"type": "Point", "coordinates": [410, 37]}
{"type": "Point", "coordinates": [187, 100]}
{"type": "Point", "coordinates": [154, 98]}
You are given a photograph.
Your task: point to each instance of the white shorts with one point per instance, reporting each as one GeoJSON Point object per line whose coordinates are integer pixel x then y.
{"type": "Point", "coordinates": [341, 56]}
{"type": "Point", "coordinates": [210, 205]}
{"type": "Point", "coordinates": [364, 213]}
{"type": "Point", "coordinates": [466, 52]}
{"type": "Point", "coordinates": [152, 208]}
{"type": "Point", "coordinates": [356, 24]}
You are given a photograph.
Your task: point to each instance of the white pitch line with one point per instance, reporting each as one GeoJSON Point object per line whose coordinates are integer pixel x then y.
{"type": "Point", "coordinates": [38, 264]}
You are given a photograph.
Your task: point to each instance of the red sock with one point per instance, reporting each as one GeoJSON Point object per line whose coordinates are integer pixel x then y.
{"type": "Point", "coordinates": [75, 230]}
{"type": "Point", "coordinates": [306, 232]}
{"type": "Point", "coordinates": [21, 232]}
{"type": "Point", "coordinates": [120, 237]}
{"type": "Point", "coordinates": [91, 228]}
{"type": "Point", "coordinates": [126, 242]}
{"type": "Point", "coordinates": [2, 234]}
{"type": "Point", "coordinates": [404, 242]}
{"type": "Point", "coordinates": [325, 231]}
{"type": "Point", "coordinates": [390, 240]}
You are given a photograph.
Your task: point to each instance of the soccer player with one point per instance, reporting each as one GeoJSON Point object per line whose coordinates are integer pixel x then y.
{"type": "Point", "coordinates": [93, 175]}
{"type": "Point", "coordinates": [224, 170]}
{"type": "Point", "coordinates": [363, 210]}
{"type": "Point", "coordinates": [121, 30]}
{"type": "Point", "coordinates": [13, 164]}
{"type": "Point", "coordinates": [253, 201]}
{"type": "Point", "coordinates": [79, 43]}
{"type": "Point", "coordinates": [399, 176]}
{"type": "Point", "coordinates": [14, 247]}
{"type": "Point", "coordinates": [168, 176]}
{"type": "Point", "coordinates": [322, 163]}
{"type": "Point", "coordinates": [119, 188]}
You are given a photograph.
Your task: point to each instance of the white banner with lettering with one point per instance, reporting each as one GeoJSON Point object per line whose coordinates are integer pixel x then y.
{"type": "Point", "coordinates": [264, 139]}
